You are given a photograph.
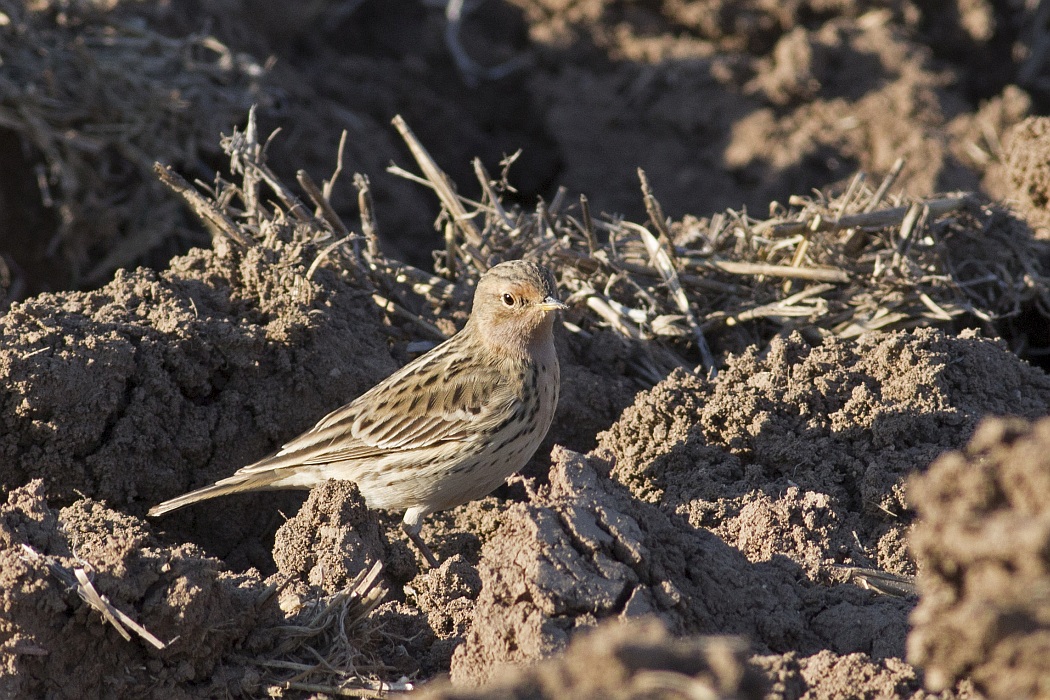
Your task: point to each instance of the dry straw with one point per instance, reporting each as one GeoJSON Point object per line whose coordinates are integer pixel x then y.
{"type": "Point", "coordinates": [321, 644]}
{"type": "Point", "coordinates": [98, 98]}
{"type": "Point", "coordinates": [680, 292]}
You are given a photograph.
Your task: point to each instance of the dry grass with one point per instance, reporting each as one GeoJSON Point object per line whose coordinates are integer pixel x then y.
{"type": "Point", "coordinates": [321, 644]}
{"type": "Point", "coordinates": [682, 292]}
{"type": "Point", "coordinates": [77, 579]}
{"type": "Point", "coordinates": [100, 97]}
{"type": "Point", "coordinates": [824, 265]}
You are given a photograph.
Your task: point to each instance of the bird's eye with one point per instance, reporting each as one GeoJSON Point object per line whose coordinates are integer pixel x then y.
{"type": "Point", "coordinates": [508, 299]}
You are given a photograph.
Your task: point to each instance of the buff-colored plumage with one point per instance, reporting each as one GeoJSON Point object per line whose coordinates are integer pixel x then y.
{"type": "Point", "coordinates": [445, 429]}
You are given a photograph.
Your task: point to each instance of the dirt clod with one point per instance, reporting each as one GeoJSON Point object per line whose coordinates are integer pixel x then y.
{"type": "Point", "coordinates": [981, 542]}
{"type": "Point", "coordinates": [332, 539]}
{"type": "Point", "coordinates": [181, 596]}
{"type": "Point", "coordinates": [639, 659]}
{"type": "Point", "coordinates": [1026, 170]}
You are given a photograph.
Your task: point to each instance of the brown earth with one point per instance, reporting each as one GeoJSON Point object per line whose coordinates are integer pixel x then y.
{"type": "Point", "coordinates": [982, 540]}
{"type": "Point", "coordinates": [720, 507]}
{"type": "Point", "coordinates": [56, 646]}
{"type": "Point", "coordinates": [733, 505]}
{"type": "Point", "coordinates": [1023, 176]}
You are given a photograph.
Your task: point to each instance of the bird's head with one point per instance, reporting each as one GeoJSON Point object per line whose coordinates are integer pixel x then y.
{"type": "Point", "coordinates": [514, 306]}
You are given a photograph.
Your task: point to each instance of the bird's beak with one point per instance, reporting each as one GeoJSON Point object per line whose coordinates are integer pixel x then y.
{"type": "Point", "coordinates": [552, 304]}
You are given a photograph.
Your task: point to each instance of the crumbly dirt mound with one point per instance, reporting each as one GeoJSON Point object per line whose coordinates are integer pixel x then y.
{"type": "Point", "coordinates": [718, 506]}
{"type": "Point", "coordinates": [332, 539]}
{"type": "Point", "coordinates": [1026, 172]}
{"type": "Point", "coordinates": [177, 593]}
{"type": "Point", "coordinates": [585, 550]}
{"type": "Point", "coordinates": [161, 382]}
{"type": "Point", "coordinates": [158, 383]}
{"type": "Point", "coordinates": [727, 506]}
{"type": "Point", "coordinates": [981, 541]}
{"type": "Point", "coordinates": [804, 452]}
{"type": "Point", "coordinates": [830, 676]}
{"type": "Point", "coordinates": [732, 103]}
{"type": "Point", "coordinates": [639, 659]}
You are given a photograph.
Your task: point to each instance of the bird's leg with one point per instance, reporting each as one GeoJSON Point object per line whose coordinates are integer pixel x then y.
{"type": "Point", "coordinates": [411, 525]}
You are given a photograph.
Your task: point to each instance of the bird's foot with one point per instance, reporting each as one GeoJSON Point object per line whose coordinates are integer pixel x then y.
{"type": "Point", "coordinates": [413, 534]}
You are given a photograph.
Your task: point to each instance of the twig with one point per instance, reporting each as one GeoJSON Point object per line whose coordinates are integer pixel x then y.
{"type": "Point", "coordinates": [347, 692]}
{"type": "Point", "coordinates": [938, 311]}
{"type": "Point", "coordinates": [207, 211]}
{"type": "Point", "coordinates": [874, 219]}
{"type": "Point", "coordinates": [490, 193]}
{"type": "Point", "coordinates": [887, 183]}
{"type": "Point", "coordinates": [663, 263]}
{"type": "Point", "coordinates": [79, 581]}
{"type": "Point", "coordinates": [588, 225]}
{"type": "Point", "coordinates": [369, 225]}
{"type": "Point", "coordinates": [445, 192]}
{"type": "Point", "coordinates": [329, 184]}
{"type": "Point", "coordinates": [325, 253]}
{"type": "Point", "coordinates": [600, 306]}
{"type": "Point", "coordinates": [558, 201]}
{"type": "Point", "coordinates": [851, 192]}
{"type": "Point", "coordinates": [913, 220]}
{"type": "Point", "coordinates": [655, 211]}
{"type": "Point", "coordinates": [248, 158]}
{"type": "Point", "coordinates": [816, 274]}
{"type": "Point", "coordinates": [392, 307]}
{"type": "Point", "coordinates": [321, 202]}
{"type": "Point", "coordinates": [784, 307]}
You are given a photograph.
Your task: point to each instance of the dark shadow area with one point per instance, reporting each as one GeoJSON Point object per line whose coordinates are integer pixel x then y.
{"type": "Point", "coordinates": [731, 104]}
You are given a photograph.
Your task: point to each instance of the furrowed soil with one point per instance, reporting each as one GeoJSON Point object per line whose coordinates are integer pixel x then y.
{"type": "Point", "coordinates": [700, 536]}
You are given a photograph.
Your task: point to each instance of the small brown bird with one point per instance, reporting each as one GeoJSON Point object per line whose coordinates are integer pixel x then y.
{"type": "Point", "coordinates": [446, 428]}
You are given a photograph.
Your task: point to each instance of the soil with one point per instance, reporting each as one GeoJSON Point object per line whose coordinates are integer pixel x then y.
{"type": "Point", "coordinates": [707, 535]}
{"type": "Point", "coordinates": [982, 538]}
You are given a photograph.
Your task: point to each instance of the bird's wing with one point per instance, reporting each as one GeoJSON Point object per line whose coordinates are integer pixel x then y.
{"type": "Point", "coordinates": [440, 397]}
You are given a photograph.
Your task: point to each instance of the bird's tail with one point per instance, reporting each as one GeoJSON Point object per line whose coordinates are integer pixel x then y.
{"type": "Point", "coordinates": [258, 481]}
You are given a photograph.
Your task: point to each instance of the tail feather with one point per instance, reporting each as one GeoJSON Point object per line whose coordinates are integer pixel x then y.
{"type": "Point", "coordinates": [237, 483]}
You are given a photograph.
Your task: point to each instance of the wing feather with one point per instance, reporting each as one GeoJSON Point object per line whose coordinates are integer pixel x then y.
{"type": "Point", "coordinates": [406, 412]}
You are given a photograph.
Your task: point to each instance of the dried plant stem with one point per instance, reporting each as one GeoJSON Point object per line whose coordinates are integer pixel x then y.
{"type": "Point", "coordinates": [490, 194]}
{"type": "Point", "coordinates": [369, 225]}
{"type": "Point", "coordinates": [395, 309]}
{"type": "Point", "coordinates": [588, 226]}
{"type": "Point", "coordinates": [445, 192]}
{"type": "Point", "coordinates": [78, 580]}
{"type": "Point", "coordinates": [380, 690]}
{"type": "Point", "coordinates": [207, 211]}
{"type": "Point", "coordinates": [324, 207]}
{"type": "Point", "coordinates": [814, 274]}
{"type": "Point", "coordinates": [655, 211]}
{"type": "Point", "coordinates": [873, 219]}
{"type": "Point", "coordinates": [663, 263]}
{"type": "Point", "coordinates": [887, 183]}
{"type": "Point", "coordinates": [787, 307]}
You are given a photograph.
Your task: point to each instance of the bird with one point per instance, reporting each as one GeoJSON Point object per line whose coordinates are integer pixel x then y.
{"type": "Point", "coordinates": [448, 427]}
